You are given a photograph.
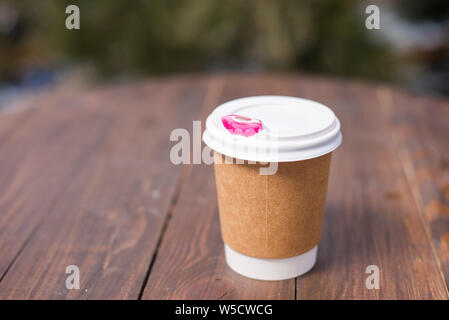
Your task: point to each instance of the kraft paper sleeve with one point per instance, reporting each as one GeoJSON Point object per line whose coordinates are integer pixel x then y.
{"type": "Point", "coordinates": [272, 216]}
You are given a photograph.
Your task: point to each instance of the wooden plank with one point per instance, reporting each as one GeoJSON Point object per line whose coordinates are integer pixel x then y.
{"type": "Point", "coordinates": [420, 131]}
{"type": "Point", "coordinates": [190, 262]}
{"type": "Point", "coordinates": [109, 217]}
{"type": "Point", "coordinates": [30, 179]}
{"type": "Point", "coordinates": [370, 217]}
{"type": "Point", "coordinates": [78, 187]}
{"type": "Point", "coordinates": [9, 123]}
{"type": "Point", "coordinates": [17, 115]}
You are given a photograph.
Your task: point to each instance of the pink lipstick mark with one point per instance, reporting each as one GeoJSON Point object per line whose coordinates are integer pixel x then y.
{"type": "Point", "coordinates": [241, 125]}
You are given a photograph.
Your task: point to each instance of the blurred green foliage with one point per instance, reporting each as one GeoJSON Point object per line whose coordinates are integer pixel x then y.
{"type": "Point", "coordinates": [429, 10]}
{"type": "Point", "coordinates": [164, 36]}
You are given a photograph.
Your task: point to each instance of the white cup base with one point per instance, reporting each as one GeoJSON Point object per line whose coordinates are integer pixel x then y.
{"type": "Point", "coordinates": [270, 269]}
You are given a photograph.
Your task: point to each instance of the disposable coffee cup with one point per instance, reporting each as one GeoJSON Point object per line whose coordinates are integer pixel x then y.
{"type": "Point", "coordinates": [272, 157]}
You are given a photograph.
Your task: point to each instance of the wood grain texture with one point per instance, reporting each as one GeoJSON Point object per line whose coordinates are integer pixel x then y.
{"type": "Point", "coordinates": [108, 218]}
{"type": "Point", "coordinates": [86, 180]}
{"type": "Point", "coordinates": [420, 134]}
{"type": "Point", "coordinates": [31, 179]}
{"type": "Point", "coordinates": [371, 217]}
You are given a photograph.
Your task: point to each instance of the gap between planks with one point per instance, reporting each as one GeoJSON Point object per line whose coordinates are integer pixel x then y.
{"type": "Point", "coordinates": [385, 99]}
{"type": "Point", "coordinates": [53, 203]}
{"type": "Point", "coordinates": [213, 92]}
{"type": "Point", "coordinates": [174, 200]}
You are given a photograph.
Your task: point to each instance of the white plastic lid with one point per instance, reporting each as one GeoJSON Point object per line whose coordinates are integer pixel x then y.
{"type": "Point", "coordinates": [293, 129]}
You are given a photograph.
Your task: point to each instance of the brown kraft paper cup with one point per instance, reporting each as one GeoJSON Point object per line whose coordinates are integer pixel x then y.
{"type": "Point", "coordinates": [272, 216]}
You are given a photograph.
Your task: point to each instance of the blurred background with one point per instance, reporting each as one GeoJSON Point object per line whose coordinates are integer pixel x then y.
{"type": "Point", "coordinates": [122, 41]}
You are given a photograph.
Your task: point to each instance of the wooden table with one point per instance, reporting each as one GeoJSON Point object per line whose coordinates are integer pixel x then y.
{"type": "Point", "coordinates": [86, 180]}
